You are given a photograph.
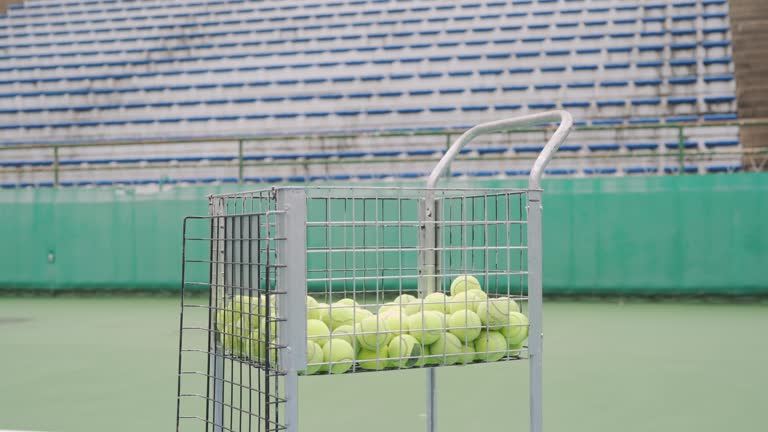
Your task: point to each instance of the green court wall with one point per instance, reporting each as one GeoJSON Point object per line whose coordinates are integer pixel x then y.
{"type": "Point", "coordinates": [687, 235]}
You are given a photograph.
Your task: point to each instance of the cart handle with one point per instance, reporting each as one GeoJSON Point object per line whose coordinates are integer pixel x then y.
{"type": "Point", "coordinates": [534, 180]}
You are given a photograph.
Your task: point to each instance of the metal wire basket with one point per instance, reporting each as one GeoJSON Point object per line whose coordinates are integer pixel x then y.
{"type": "Point", "coordinates": [306, 281]}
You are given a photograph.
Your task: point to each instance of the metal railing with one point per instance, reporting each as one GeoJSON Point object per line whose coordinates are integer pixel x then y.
{"type": "Point", "coordinates": [755, 159]}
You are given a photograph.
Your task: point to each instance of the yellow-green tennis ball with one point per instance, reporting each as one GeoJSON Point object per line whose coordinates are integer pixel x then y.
{"type": "Point", "coordinates": [372, 333]}
{"type": "Point", "coordinates": [397, 322]}
{"type": "Point", "coordinates": [469, 354]}
{"type": "Point", "coordinates": [517, 329]}
{"type": "Point", "coordinates": [339, 354]}
{"type": "Point", "coordinates": [426, 326]}
{"type": "Point", "coordinates": [262, 328]}
{"type": "Point", "coordinates": [470, 300]}
{"type": "Point", "coordinates": [258, 350]}
{"type": "Point", "coordinates": [347, 302]}
{"type": "Point", "coordinates": [425, 357]}
{"type": "Point", "coordinates": [495, 312]}
{"type": "Point", "coordinates": [437, 302]}
{"type": "Point", "coordinates": [323, 311]}
{"type": "Point", "coordinates": [340, 315]}
{"type": "Point", "coordinates": [465, 325]}
{"type": "Point", "coordinates": [361, 314]}
{"type": "Point", "coordinates": [447, 350]}
{"type": "Point", "coordinates": [253, 308]}
{"type": "Point", "coordinates": [408, 303]}
{"type": "Point", "coordinates": [404, 299]}
{"type": "Point", "coordinates": [464, 283]}
{"type": "Point", "coordinates": [516, 350]}
{"type": "Point", "coordinates": [313, 312]}
{"type": "Point", "coordinates": [372, 360]}
{"type": "Point", "coordinates": [346, 332]}
{"type": "Point", "coordinates": [238, 340]}
{"type": "Point", "coordinates": [389, 307]}
{"type": "Point", "coordinates": [314, 357]}
{"type": "Point", "coordinates": [490, 346]}
{"type": "Point", "coordinates": [318, 332]}
{"type": "Point", "coordinates": [405, 351]}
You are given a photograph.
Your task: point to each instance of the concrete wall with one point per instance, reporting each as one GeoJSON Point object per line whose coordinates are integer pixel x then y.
{"type": "Point", "coordinates": [749, 27]}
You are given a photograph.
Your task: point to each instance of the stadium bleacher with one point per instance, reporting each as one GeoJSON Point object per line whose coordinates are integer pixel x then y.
{"type": "Point", "coordinates": [120, 70]}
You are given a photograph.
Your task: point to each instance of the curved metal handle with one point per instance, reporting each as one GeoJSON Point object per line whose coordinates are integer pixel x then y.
{"type": "Point", "coordinates": [534, 180]}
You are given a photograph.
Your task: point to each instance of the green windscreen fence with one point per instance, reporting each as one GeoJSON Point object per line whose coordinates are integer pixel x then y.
{"type": "Point", "coordinates": [685, 235]}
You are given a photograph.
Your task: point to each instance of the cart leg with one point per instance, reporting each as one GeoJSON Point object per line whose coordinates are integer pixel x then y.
{"type": "Point", "coordinates": [427, 285]}
{"type": "Point", "coordinates": [431, 401]}
{"type": "Point", "coordinates": [535, 338]}
{"type": "Point", "coordinates": [218, 390]}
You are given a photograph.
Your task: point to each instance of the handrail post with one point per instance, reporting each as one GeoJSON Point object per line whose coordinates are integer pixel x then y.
{"type": "Point", "coordinates": [448, 147]}
{"type": "Point", "coordinates": [55, 166]}
{"type": "Point", "coordinates": [680, 150]}
{"type": "Point", "coordinates": [240, 161]}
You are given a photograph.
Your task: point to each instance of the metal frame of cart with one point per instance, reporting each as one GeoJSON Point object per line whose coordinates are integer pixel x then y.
{"type": "Point", "coordinates": [256, 247]}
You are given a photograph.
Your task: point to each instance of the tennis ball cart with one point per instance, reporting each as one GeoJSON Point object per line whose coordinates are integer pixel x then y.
{"type": "Point", "coordinates": [306, 282]}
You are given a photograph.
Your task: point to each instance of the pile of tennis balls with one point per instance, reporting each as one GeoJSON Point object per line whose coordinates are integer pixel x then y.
{"type": "Point", "coordinates": [462, 328]}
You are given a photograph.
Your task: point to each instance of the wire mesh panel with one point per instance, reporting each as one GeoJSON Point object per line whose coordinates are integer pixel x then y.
{"type": "Point", "coordinates": [229, 319]}
{"type": "Point", "coordinates": [371, 286]}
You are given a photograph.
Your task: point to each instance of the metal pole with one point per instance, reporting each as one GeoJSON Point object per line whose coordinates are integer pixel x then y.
{"type": "Point", "coordinates": [427, 284]}
{"type": "Point", "coordinates": [292, 304]}
{"type": "Point", "coordinates": [240, 161]}
{"type": "Point", "coordinates": [217, 353]}
{"type": "Point", "coordinates": [56, 166]}
{"type": "Point", "coordinates": [535, 337]}
{"type": "Point", "coordinates": [448, 147]}
{"type": "Point", "coordinates": [680, 150]}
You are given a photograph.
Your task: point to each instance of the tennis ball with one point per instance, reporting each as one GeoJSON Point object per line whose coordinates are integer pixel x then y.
{"type": "Point", "coordinates": [467, 300]}
{"type": "Point", "coordinates": [405, 351]}
{"type": "Point", "coordinates": [437, 302]}
{"type": "Point", "coordinates": [254, 307]}
{"type": "Point", "coordinates": [318, 332]}
{"type": "Point", "coordinates": [314, 357]}
{"type": "Point", "coordinates": [449, 349]}
{"type": "Point", "coordinates": [339, 354]}
{"type": "Point", "coordinates": [426, 326]}
{"type": "Point", "coordinates": [371, 360]}
{"type": "Point", "coordinates": [495, 312]}
{"type": "Point", "coordinates": [362, 314]}
{"type": "Point", "coordinates": [323, 311]}
{"type": "Point", "coordinates": [389, 307]}
{"type": "Point", "coordinates": [237, 340]}
{"type": "Point", "coordinates": [258, 350]}
{"type": "Point", "coordinates": [516, 350]}
{"type": "Point", "coordinates": [425, 357]}
{"type": "Point", "coordinates": [313, 312]}
{"type": "Point", "coordinates": [408, 303]}
{"type": "Point", "coordinates": [262, 329]}
{"type": "Point", "coordinates": [347, 333]}
{"type": "Point", "coordinates": [517, 329]}
{"type": "Point", "coordinates": [404, 299]}
{"type": "Point", "coordinates": [490, 346]}
{"type": "Point", "coordinates": [340, 315]}
{"type": "Point", "coordinates": [464, 283]}
{"type": "Point", "coordinates": [347, 302]}
{"type": "Point", "coordinates": [397, 322]}
{"type": "Point", "coordinates": [469, 354]}
{"type": "Point", "coordinates": [465, 325]}
{"type": "Point", "coordinates": [372, 332]}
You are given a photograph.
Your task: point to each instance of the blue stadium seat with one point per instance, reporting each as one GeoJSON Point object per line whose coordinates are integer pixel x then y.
{"type": "Point", "coordinates": [603, 147]}
{"type": "Point", "coordinates": [598, 171]}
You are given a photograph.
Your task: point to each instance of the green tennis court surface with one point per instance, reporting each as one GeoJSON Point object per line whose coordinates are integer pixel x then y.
{"type": "Point", "coordinates": [109, 364]}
